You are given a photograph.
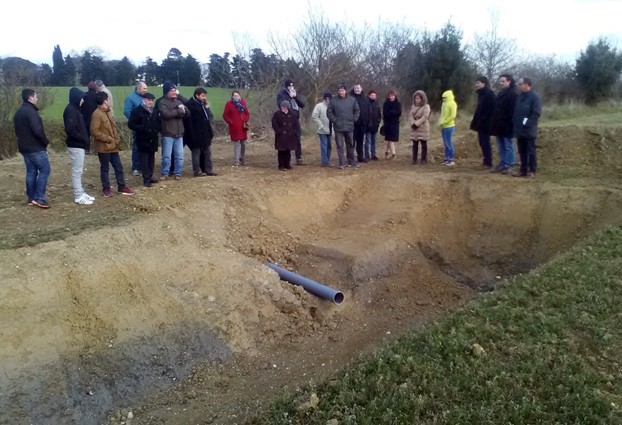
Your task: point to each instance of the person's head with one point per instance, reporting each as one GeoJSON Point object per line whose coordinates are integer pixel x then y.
{"type": "Point", "coordinates": [101, 98]}
{"type": "Point", "coordinates": [372, 95]}
{"type": "Point", "coordinates": [91, 85]}
{"type": "Point", "coordinates": [200, 94]}
{"type": "Point", "coordinates": [285, 106]}
{"type": "Point", "coordinates": [140, 87]}
{"type": "Point", "coordinates": [481, 82]}
{"type": "Point", "coordinates": [341, 90]}
{"type": "Point", "coordinates": [391, 95]}
{"type": "Point", "coordinates": [99, 85]}
{"type": "Point", "coordinates": [148, 99]}
{"type": "Point", "coordinates": [235, 96]}
{"type": "Point", "coordinates": [289, 84]}
{"type": "Point", "coordinates": [76, 96]}
{"type": "Point", "coordinates": [358, 89]}
{"type": "Point", "coordinates": [169, 90]}
{"type": "Point", "coordinates": [29, 95]}
{"type": "Point", "coordinates": [524, 84]}
{"type": "Point", "coordinates": [326, 97]}
{"type": "Point", "coordinates": [505, 81]}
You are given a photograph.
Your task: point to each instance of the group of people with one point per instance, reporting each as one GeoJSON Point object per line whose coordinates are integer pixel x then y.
{"type": "Point", "coordinates": [89, 116]}
{"type": "Point", "coordinates": [507, 115]}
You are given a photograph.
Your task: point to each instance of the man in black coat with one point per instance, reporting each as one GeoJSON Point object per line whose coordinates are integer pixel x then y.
{"type": "Point", "coordinates": [361, 124]}
{"type": "Point", "coordinates": [145, 124]}
{"type": "Point", "coordinates": [502, 126]}
{"type": "Point", "coordinates": [288, 92]}
{"type": "Point", "coordinates": [198, 133]}
{"type": "Point", "coordinates": [89, 105]}
{"type": "Point", "coordinates": [526, 114]}
{"type": "Point", "coordinates": [483, 117]}
{"type": "Point", "coordinates": [32, 143]}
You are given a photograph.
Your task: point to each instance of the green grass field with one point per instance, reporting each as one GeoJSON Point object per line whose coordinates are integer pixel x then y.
{"type": "Point", "coordinates": [54, 111]}
{"type": "Point", "coordinates": [546, 348]}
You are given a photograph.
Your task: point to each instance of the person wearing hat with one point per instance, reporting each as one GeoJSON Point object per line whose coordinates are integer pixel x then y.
{"type": "Point", "coordinates": [284, 124]}
{"type": "Point", "coordinates": [324, 127]}
{"type": "Point", "coordinates": [295, 99]}
{"type": "Point", "coordinates": [145, 125]}
{"type": "Point", "coordinates": [172, 113]}
{"type": "Point", "coordinates": [78, 143]}
{"type": "Point", "coordinates": [344, 111]}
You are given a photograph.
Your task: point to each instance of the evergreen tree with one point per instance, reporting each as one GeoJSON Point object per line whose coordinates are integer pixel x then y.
{"type": "Point", "coordinates": [58, 67]}
{"type": "Point", "coordinates": [125, 72]}
{"type": "Point", "coordinates": [598, 70]}
{"type": "Point", "coordinates": [149, 72]}
{"type": "Point", "coordinates": [69, 76]}
{"type": "Point", "coordinates": [190, 73]}
{"type": "Point", "coordinates": [219, 74]}
{"type": "Point", "coordinates": [93, 68]}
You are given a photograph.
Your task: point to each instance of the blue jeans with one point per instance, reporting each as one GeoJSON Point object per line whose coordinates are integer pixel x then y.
{"type": "Point", "coordinates": [105, 159]}
{"type": "Point", "coordinates": [507, 157]}
{"type": "Point", "coordinates": [173, 145]}
{"type": "Point", "coordinates": [370, 145]}
{"type": "Point", "coordinates": [325, 148]}
{"type": "Point", "coordinates": [37, 174]}
{"type": "Point", "coordinates": [448, 134]}
{"type": "Point", "coordinates": [135, 154]}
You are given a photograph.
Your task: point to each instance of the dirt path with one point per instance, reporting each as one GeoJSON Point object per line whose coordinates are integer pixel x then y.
{"type": "Point", "coordinates": [159, 304]}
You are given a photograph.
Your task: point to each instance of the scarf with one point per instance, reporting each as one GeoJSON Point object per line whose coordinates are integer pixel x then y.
{"type": "Point", "coordinates": [238, 104]}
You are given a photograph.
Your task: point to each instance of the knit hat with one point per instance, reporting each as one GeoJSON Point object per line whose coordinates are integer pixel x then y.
{"type": "Point", "coordinates": [148, 95]}
{"type": "Point", "coordinates": [327, 95]}
{"type": "Point", "coordinates": [167, 87]}
{"type": "Point", "coordinates": [286, 104]}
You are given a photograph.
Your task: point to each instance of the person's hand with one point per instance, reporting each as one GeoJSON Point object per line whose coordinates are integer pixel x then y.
{"type": "Point", "coordinates": [292, 92]}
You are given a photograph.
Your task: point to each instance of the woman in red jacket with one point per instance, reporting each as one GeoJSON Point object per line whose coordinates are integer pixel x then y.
{"type": "Point", "coordinates": [236, 116]}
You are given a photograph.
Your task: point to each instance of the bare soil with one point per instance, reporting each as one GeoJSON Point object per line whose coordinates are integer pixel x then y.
{"type": "Point", "coordinates": [160, 304]}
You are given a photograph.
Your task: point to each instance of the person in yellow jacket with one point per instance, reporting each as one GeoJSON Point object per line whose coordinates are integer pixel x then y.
{"type": "Point", "coordinates": [449, 109]}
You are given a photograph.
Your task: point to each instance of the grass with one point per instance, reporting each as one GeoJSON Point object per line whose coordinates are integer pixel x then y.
{"type": "Point", "coordinates": [54, 111]}
{"type": "Point", "coordinates": [552, 351]}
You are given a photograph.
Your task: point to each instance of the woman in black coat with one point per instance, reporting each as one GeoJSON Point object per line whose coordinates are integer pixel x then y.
{"type": "Point", "coordinates": [391, 112]}
{"type": "Point", "coordinates": [285, 126]}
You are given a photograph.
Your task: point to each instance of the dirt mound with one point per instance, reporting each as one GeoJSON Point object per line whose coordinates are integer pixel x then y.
{"type": "Point", "coordinates": [103, 307]}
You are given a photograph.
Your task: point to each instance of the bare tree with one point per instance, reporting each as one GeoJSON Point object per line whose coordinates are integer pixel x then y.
{"type": "Point", "coordinates": [492, 53]}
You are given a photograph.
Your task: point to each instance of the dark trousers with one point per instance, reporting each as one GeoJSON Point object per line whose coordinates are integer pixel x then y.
{"type": "Point", "coordinates": [359, 139]}
{"type": "Point", "coordinates": [202, 160]}
{"type": "Point", "coordinates": [147, 163]}
{"type": "Point", "coordinates": [298, 144]}
{"type": "Point", "coordinates": [424, 150]}
{"type": "Point", "coordinates": [484, 143]}
{"type": "Point", "coordinates": [527, 154]}
{"type": "Point", "coordinates": [285, 157]}
{"type": "Point", "coordinates": [105, 159]}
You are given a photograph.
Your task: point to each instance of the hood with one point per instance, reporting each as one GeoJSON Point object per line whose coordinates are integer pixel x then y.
{"type": "Point", "coordinates": [448, 95]}
{"type": "Point", "coordinates": [424, 97]}
{"type": "Point", "coordinates": [75, 95]}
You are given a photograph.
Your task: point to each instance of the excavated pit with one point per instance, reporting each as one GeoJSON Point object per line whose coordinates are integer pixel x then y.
{"type": "Point", "coordinates": [103, 319]}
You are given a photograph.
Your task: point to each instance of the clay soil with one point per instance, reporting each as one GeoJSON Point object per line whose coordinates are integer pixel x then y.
{"type": "Point", "coordinates": [159, 306]}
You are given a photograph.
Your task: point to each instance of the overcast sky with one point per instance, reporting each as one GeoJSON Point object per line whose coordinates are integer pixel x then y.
{"type": "Point", "coordinates": [116, 28]}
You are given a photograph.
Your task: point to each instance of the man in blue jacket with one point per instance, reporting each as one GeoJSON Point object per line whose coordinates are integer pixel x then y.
{"type": "Point", "coordinates": [32, 143]}
{"type": "Point", "coordinates": [526, 114]}
{"type": "Point", "coordinates": [131, 102]}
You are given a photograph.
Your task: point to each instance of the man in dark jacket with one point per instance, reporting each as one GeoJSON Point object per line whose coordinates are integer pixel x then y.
{"type": "Point", "coordinates": [172, 112]}
{"type": "Point", "coordinates": [344, 111]}
{"type": "Point", "coordinates": [295, 100]}
{"type": "Point", "coordinates": [526, 114]}
{"type": "Point", "coordinates": [483, 117]}
{"type": "Point", "coordinates": [145, 125]}
{"type": "Point", "coordinates": [360, 124]}
{"type": "Point", "coordinates": [78, 143]}
{"type": "Point", "coordinates": [198, 133]}
{"type": "Point", "coordinates": [32, 144]}
{"type": "Point", "coordinates": [90, 105]}
{"type": "Point", "coordinates": [373, 122]}
{"type": "Point", "coordinates": [501, 124]}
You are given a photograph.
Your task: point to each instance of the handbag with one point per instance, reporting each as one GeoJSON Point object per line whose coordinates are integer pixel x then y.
{"type": "Point", "coordinates": [382, 130]}
{"type": "Point", "coordinates": [245, 125]}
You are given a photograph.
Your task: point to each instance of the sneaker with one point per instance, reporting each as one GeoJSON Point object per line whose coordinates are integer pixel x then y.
{"type": "Point", "coordinates": [177, 177]}
{"type": "Point", "coordinates": [507, 170]}
{"type": "Point", "coordinates": [136, 172]}
{"type": "Point", "coordinates": [83, 200]}
{"type": "Point", "coordinates": [355, 165]}
{"type": "Point", "coordinates": [499, 168]}
{"type": "Point", "coordinates": [341, 167]}
{"type": "Point", "coordinates": [107, 193]}
{"type": "Point", "coordinates": [89, 197]}
{"type": "Point", "coordinates": [450, 163]}
{"type": "Point", "coordinates": [282, 169]}
{"type": "Point", "coordinates": [163, 177]}
{"type": "Point", "coordinates": [42, 203]}
{"type": "Point", "coordinates": [30, 203]}
{"type": "Point", "coordinates": [126, 191]}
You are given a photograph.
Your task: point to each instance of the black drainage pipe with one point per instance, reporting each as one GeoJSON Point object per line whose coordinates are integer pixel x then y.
{"type": "Point", "coordinates": [315, 288]}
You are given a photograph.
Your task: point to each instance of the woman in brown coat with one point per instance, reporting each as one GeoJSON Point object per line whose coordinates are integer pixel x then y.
{"type": "Point", "coordinates": [284, 124]}
{"type": "Point", "coordinates": [420, 125]}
